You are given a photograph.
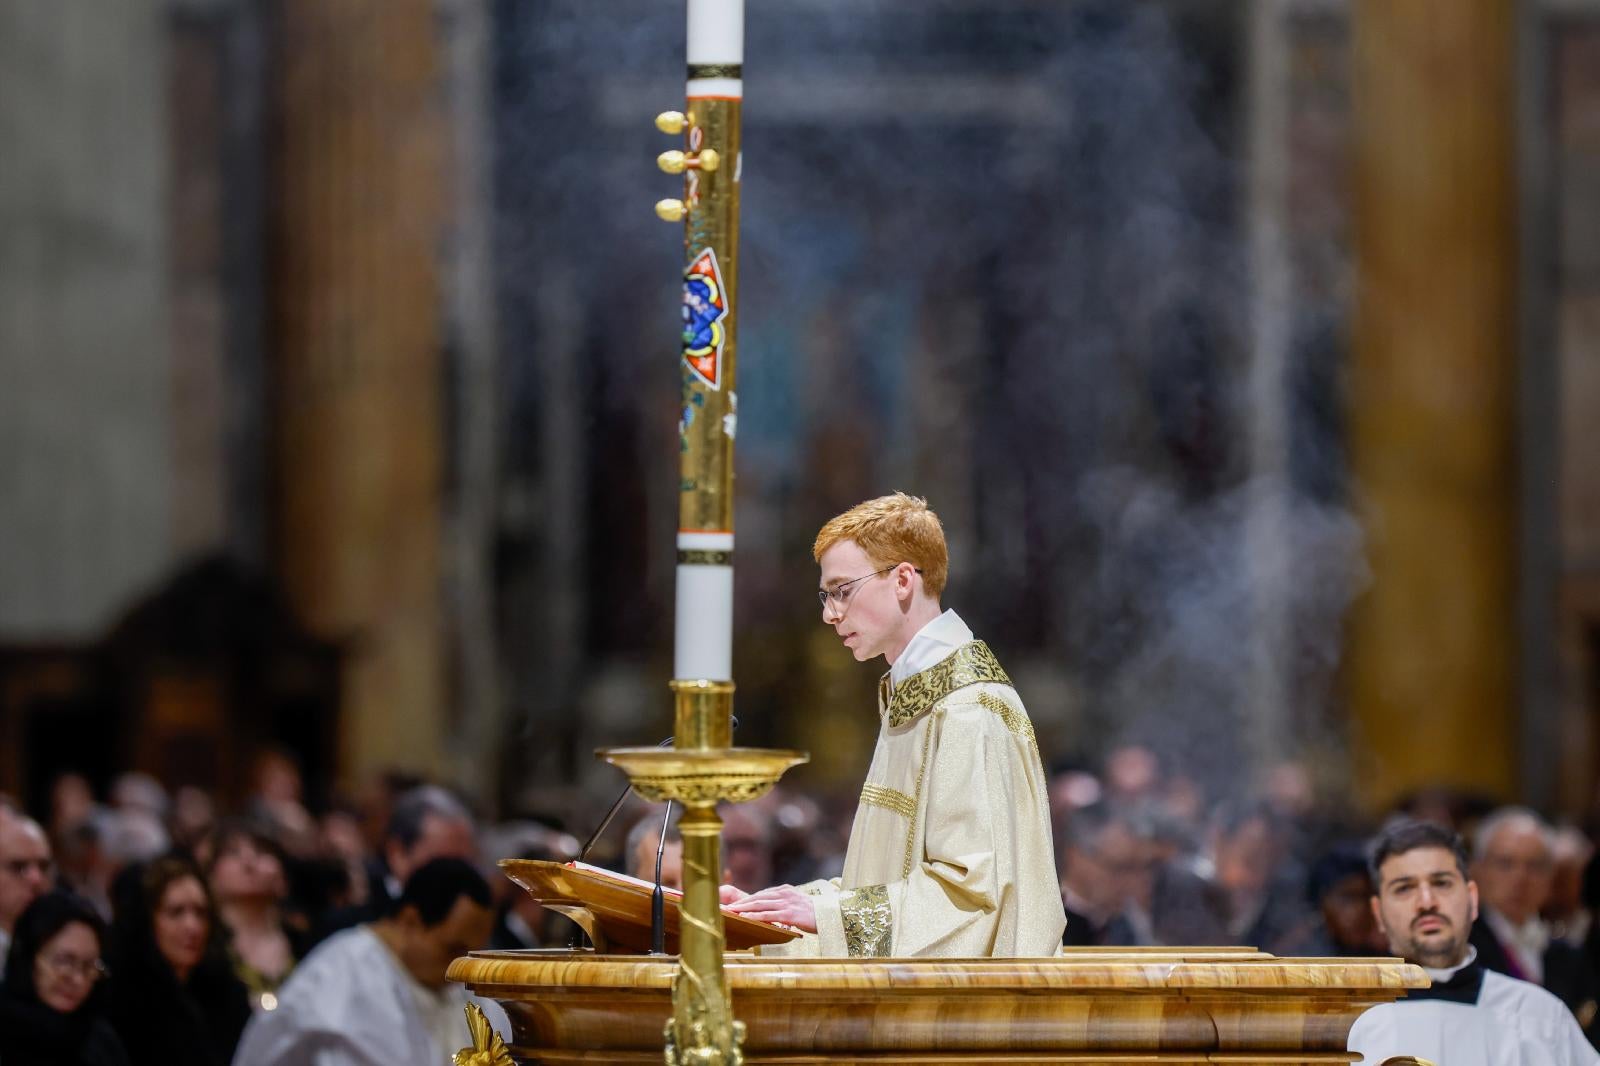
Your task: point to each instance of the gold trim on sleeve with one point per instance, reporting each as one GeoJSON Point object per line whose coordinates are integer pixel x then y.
{"type": "Point", "coordinates": [1015, 720]}
{"type": "Point", "coordinates": [868, 921]}
{"type": "Point", "coordinates": [889, 799]}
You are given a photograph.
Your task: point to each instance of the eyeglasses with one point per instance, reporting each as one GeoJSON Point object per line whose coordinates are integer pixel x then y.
{"type": "Point", "coordinates": [68, 965]}
{"type": "Point", "coordinates": [840, 594]}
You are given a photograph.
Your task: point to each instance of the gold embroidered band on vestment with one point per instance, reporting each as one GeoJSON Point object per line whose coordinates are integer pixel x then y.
{"type": "Point", "coordinates": [868, 921]}
{"type": "Point", "coordinates": [970, 664]}
{"type": "Point", "coordinates": [889, 799]}
{"type": "Point", "coordinates": [1016, 721]}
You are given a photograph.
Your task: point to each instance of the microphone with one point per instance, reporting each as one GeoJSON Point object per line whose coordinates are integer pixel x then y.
{"type": "Point", "coordinates": [658, 918]}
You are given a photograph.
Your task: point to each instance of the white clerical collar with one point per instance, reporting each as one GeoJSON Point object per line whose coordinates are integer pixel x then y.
{"type": "Point", "coordinates": [933, 643]}
{"type": "Point", "coordinates": [1441, 976]}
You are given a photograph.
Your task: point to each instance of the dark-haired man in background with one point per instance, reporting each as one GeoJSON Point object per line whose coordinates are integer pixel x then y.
{"type": "Point", "coordinates": [376, 995]}
{"type": "Point", "coordinates": [1471, 1016]}
{"type": "Point", "coordinates": [427, 822]}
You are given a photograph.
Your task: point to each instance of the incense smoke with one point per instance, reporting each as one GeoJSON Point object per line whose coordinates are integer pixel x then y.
{"type": "Point", "coordinates": [993, 253]}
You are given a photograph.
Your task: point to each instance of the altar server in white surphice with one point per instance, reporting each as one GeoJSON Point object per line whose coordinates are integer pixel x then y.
{"type": "Point", "coordinates": [950, 853]}
{"type": "Point", "coordinates": [376, 995]}
{"type": "Point", "coordinates": [1471, 1016]}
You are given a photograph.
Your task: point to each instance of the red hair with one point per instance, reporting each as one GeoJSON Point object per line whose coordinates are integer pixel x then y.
{"type": "Point", "coordinates": [891, 530]}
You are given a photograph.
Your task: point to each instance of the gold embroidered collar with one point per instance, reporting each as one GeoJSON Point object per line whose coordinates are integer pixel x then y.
{"type": "Point", "coordinates": [970, 664]}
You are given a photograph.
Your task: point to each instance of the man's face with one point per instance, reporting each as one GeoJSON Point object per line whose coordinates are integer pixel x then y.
{"type": "Point", "coordinates": [1516, 871]}
{"type": "Point", "coordinates": [747, 854]}
{"type": "Point", "coordinates": [1131, 862]}
{"type": "Point", "coordinates": [1091, 881]}
{"type": "Point", "coordinates": [1425, 907]}
{"type": "Point", "coordinates": [25, 866]}
{"type": "Point", "coordinates": [429, 952]}
{"type": "Point", "coordinates": [441, 837]}
{"type": "Point", "coordinates": [644, 862]}
{"type": "Point", "coordinates": [871, 615]}
{"type": "Point", "coordinates": [1347, 914]}
{"type": "Point", "coordinates": [1245, 858]}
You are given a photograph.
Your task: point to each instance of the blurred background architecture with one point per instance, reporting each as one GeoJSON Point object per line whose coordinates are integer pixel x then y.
{"type": "Point", "coordinates": [1249, 350]}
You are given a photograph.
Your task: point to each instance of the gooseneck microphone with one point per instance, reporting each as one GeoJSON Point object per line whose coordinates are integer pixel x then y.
{"type": "Point", "coordinates": [622, 797]}
{"type": "Point", "coordinates": [658, 906]}
{"type": "Point", "coordinates": [583, 853]}
{"type": "Point", "coordinates": [658, 933]}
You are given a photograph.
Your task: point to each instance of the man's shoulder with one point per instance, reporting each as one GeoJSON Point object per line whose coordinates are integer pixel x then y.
{"type": "Point", "coordinates": [988, 709]}
{"type": "Point", "coordinates": [1539, 1015]}
{"type": "Point", "coordinates": [983, 698]}
{"type": "Point", "coordinates": [1416, 1027]}
{"type": "Point", "coordinates": [353, 954]}
{"type": "Point", "coordinates": [1509, 995]}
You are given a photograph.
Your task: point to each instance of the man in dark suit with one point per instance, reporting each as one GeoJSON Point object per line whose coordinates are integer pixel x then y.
{"type": "Point", "coordinates": [1088, 887]}
{"type": "Point", "coordinates": [1119, 889]}
{"type": "Point", "coordinates": [1513, 866]}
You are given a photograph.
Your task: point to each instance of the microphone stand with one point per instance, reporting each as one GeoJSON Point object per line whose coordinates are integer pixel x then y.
{"type": "Point", "coordinates": [657, 902]}
{"type": "Point", "coordinates": [583, 853]}
{"type": "Point", "coordinates": [622, 797]}
{"type": "Point", "coordinates": [658, 918]}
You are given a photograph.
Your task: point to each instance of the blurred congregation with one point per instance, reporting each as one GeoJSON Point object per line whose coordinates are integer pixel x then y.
{"type": "Point", "coordinates": [200, 912]}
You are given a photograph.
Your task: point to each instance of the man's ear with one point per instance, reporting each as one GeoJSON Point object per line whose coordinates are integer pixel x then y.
{"type": "Point", "coordinates": [1377, 914]}
{"type": "Point", "coordinates": [1472, 895]}
{"type": "Point", "coordinates": [905, 583]}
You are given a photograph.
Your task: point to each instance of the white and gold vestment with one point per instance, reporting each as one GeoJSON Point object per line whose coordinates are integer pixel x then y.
{"type": "Point", "coordinates": [950, 853]}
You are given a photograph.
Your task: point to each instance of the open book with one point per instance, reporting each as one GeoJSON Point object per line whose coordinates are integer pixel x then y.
{"type": "Point", "coordinates": [667, 891]}
{"type": "Point", "coordinates": [614, 909]}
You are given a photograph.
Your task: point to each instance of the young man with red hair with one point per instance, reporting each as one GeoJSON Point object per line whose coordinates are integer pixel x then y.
{"type": "Point", "coordinates": [950, 854]}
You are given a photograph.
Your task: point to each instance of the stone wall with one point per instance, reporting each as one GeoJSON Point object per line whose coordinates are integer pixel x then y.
{"type": "Point", "coordinates": [86, 490]}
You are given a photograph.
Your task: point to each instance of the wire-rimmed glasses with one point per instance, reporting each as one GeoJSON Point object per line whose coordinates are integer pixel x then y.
{"type": "Point", "coordinates": [840, 594]}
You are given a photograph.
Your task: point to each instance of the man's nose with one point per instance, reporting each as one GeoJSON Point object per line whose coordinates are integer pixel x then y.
{"type": "Point", "coordinates": [1425, 898]}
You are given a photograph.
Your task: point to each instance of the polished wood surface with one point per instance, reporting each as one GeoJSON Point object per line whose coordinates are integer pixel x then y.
{"type": "Point", "coordinates": [1202, 1005]}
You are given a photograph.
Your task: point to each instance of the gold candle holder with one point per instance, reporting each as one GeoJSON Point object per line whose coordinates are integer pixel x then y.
{"type": "Point", "coordinates": [698, 772]}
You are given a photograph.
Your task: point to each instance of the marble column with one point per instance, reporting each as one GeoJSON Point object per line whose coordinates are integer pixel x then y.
{"type": "Point", "coordinates": [357, 212]}
{"type": "Point", "coordinates": [1431, 670]}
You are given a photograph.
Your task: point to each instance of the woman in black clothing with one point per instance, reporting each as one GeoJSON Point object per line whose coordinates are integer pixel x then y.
{"type": "Point", "coordinates": [174, 997]}
{"type": "Point", "coordinates": [52, 1012]}
{"type": "Point", "coordinates": [246, 872]}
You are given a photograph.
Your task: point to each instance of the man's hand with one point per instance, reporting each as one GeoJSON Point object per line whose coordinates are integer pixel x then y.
{"type": "Point", "coordinates": [784, 904]}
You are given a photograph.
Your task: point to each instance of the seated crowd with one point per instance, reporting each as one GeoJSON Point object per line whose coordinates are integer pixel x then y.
{"type": "Point", "coordinates": [141, 926]}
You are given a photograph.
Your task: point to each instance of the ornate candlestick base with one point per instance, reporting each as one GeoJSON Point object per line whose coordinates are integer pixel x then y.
{"type": "Point", "coordinates": [702, 1030]}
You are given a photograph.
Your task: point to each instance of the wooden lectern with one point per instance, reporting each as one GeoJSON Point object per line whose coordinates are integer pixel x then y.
{"type": "Point", "coordinates": [1127, 1005]}
{"type": "Point", "coordinates": [614, 909]}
